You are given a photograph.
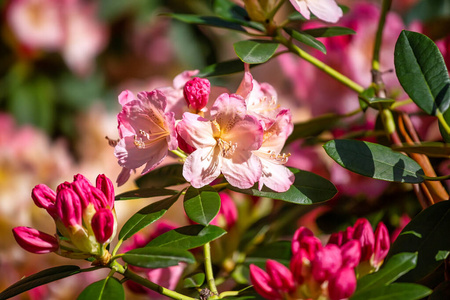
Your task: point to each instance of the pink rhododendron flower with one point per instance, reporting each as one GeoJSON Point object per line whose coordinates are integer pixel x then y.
{"type": "Point", "coordinates": [223, 145]}
{"type": "Point", "coordinates": [146, 130]}
{"type": "Point", "coordinates": [326, 10]}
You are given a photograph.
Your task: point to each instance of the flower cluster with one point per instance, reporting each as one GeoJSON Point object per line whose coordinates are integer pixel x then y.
{"type": "Point", "coordinates": [240, 136]}
{"type": "Point", "coordinates": [84, 216]}
{"type": "Point", "coordinates": [323, 272]}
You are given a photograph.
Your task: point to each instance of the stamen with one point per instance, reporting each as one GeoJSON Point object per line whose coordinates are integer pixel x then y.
{"type": "Point", "coordinates": [278, 158]}
{"type": "Point", "coordinates": [151, 138]}
{"type": "Point", "coordinates": [227, 148]}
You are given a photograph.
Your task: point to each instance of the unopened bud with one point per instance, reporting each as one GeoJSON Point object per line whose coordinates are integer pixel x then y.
{"type": "Point", "coordinates": [382, 245]}
{"type": "Point", "coordinates": [351, 254]}
{"type": "Point", "coordinates": [68, 207]}
{"type": "Point", "coordinates": [44, 197]}
{"type": "Point", "coordinates": [297, 238]}
{"type": "Point", "coordinates": [104, 184]}
{"type": "Point", "coordinates": [262, 283]}
{"type": "Point", "coordinates": [82, 187]}
{"type": "Point", "coordinates": [103, 225]}
{"type": "Point", "coordinates": [364, 234]}
{"type": "Point", "coordinates": [196, 92]}
{"type": "Point", "coordinates": [326, 263]}
{"type": "Point", "coordinates": [342, 285]}
{"type": "Point", "coordinates": [281, 276]}
{"type": "Point", "coordinates": [34, 240]}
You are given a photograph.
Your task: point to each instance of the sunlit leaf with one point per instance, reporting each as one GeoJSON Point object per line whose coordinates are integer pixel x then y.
{"type": "Point", "coordinates": [109, 288]}
{"type": "Point", "coordinates": [397, 291]}
{"type": "Point", "coordinates": [255, 51]}
{"type": "Point", "coordinates": [201, 205]}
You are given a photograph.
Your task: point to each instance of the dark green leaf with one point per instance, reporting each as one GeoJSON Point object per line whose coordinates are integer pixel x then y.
{"type": "Point", "coordinates": [207, 20]}
{"type": "Point", "coordinates": [187, 237]}
{"type": "Point", "coordinates": [432, 226]}
{"type": "Point", "coordinates": [313, 127]}
{"type": "Point", "coordinates": [38, 279]}
{"type": "Point", "coordinates": [222, 68]}
{"type": "Point", "coordinates": [158, 257]}
{"type": "Point", "coordinates": [255, 51]}
{"type": "Point", "coordinates": [194, 281]}
{"type": "Point", "coordinates": [398, 265]}
{"type": "Point", "coordinates": [306, 39]}
{"type": "Point", "coordinates": [308, 188]}
{"type": "Point", "coordinates": [433, 149]}
{"type": "Point", "coordinates": [441, 255]}
{"type": "Point", "coordinates": [229, 10]}
{"type": "Point", "coordinates": [279, 251]}
{"type": "Point", "coordinates": [109, 288]}
{"type": "Point", "coordinates": [421, 71]}
{"type": "Point", "coordinates": [329, 31]}
{"type": "Point", "coordinates": [374, 160]}
{"type": "Point", "coordinates": [145, 193]}
{"type": "Point", "coordinates": [397, 291]}
{"type": "Point", "coordinates": [146, 216]}
{"type": "Point", "coordinates": [201, 205]}
{"type": "Point", "coordinates": [162, 177]}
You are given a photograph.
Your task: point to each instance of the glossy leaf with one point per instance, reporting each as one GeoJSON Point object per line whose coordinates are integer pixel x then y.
{"type": "Point", "coordinates": [229, 10]}
{"type": "Point", "coordinates": [106, 289]}
{"type": "Point", "coordinates": [207, 20]}
{"type": "Point", "coordinates": [144, 193]}
{"type": "Point", "coordinates": [158, 257]}
{"type": "Point", "coordinates": [187, 237]}
{"type": "Point", "coordinates": [308, 188]}
{"type": "Point", "coordinates": [38, 279]}
{"type": "Point", "coordinates": [306, 39]}
{"type": "Point", "coordinates": [146, 216]}
{"type": "Point", "coordinates": [194, 281]}
{"type": "Point", "coordinates": [255, 51]}
{"type": "Point", "coordinates": [201, 205]}
{"type": "Point", "coordinates": [398, 265]}
{"type": "Point", "coordinates": [397, 291]}
{"type": "Point", "coordinates": [162, 177]}
{"type": "Point", "coordinates": [374, 160]}
{"type": "Point", "coordinates": [329, 31]}
{"type": "Point", "coordinates": [313, 127]}
{"type": "Point", "coordinates": [222, 68]}
{"type": "Point", "coordinates": [430, 230]}
{"type": "Point", "coordinates": [431, 149]}
{"type": "Point", "coordinates": [421, 71]}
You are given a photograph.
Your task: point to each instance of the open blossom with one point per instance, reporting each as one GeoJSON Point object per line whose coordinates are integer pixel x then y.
{"type": "Point", "coordinates": [326, 10]}
{"type": "Point", "coordinates": [147, 132]}
{"type": "Point", "coordinates": [223, 145]}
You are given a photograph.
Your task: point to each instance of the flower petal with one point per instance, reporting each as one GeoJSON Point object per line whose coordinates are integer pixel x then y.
{"type": "Point", "coordinates": [196, 131]}
{"type": "Point", "coordinates": [202, 166]}
{"type": "Point", "coordinates": [276, 177]}
{"type": "Point", "coordinates": [326, 10]}
{"type": "Point", "coordinates": [242, 170]}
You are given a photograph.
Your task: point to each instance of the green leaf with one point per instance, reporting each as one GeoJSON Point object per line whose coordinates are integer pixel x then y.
{"type": "Point", "coordinates": [432, 149]}
{"type": "Point", "coordinates": [255, 51]}
{"type": "Point", "coordinates": [433, 225]}
{"type": "Point", "coordinates": [144, 193]}
{"type": "Point", "coordinates": [229, 10]}
{"type": "Point", "coordinates": [201, 205]}
{"type": "Point", "coordinates": [194, 281]}
{"type": "Point", "coordinates": [308, 188]}
{"type": "Point", "coordinates": [441, 255]}
{"type": "Point", "coordinates": [313, 127]}
{"type": "Point", "coordinates": [187, 237]}
{"type": "Point", "coordinates": [329, 31]}
{"type": "Point", "coordinates": [38, 279]}
{"type": "Point", "coordinates": [422, 73]}
{"type": "Point", "coordinates": [146, 216]}
{"type": "Point", "coordinates": [279, 251]}
{"type": "Point", "coordinates": [306, 39]}
{"type": "Point", "coordinates": [398, 265]}
{"type": "Point", "coordinates": [108, 288]}
{"type": "Point", "coordinates": [158, 257]}
{"type": "Point", "coordinates": [397, 291]}
{"type": "Point", "coordinates": [207, 20]}
{"type": "Point", "coordinates": [162, 177]}
{"type": "Point", "coordinates": [374, 160]}
{"type": "Point", "coordinates": [222, 68]}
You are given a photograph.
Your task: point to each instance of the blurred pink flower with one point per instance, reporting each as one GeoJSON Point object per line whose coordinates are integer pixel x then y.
{"type": "Point", "coordinates": [326, 10]}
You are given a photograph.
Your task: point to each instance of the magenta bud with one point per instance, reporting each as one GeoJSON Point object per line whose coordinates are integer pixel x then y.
{"type": "Point", "coordinates": [44, 197]}
{"type": "Point", "coordinates": [228, 213]}
{"type": "Point", "coordinates": [64, 185]}
{"type": "Point", "coordinates": [262, 283]}
{"type": "Point", "coordinates": [342, 285]}
{"type": "Point", "coordinates": [297, 238]}
{"type": "Point", "coordinates": [297, 265]}
{"type": "Point", "coordinates": [98, 198]}
{"type": "Point", "coordinates": [184, 146]}
{"type": "Point", "coordinates": [311, 245]}
{"type": "Point", "coordinates": [382, 244]}
{"type": "Point", "coordinates": [196, 92]}
{"type": "Point", "coordinates": [336, 238]}
{"type": "Point", "coordinates": [281, 276]}
{"type": "Point", "coordinates": [326, 262]}
{"type": "Point", "coordinates": [103, 225]}
{"type": "Point", "coordinates": [104, 184]}
{"type": "Point", "coordinates": [351, 254]}
{"type": "Point", "coordinates": [347, 235]}
{"type": "Point", "coordinates": [82, 187]}
{"type": "Point", "coordinates": [34, 240]}
{"type": "Point", "coordinates": [364, 234]}
{"type": "Point", "coordinates": [68, 207]}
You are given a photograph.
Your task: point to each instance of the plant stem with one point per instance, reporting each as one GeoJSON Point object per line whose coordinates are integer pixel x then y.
{"type": "Point", "coordinates": [379, 36]}
{"type": "Point", "coordinates": [209, 270]}
{"type": "Point", "coordinates": [442, 121]}
{"type": "Point", "coordinates": [117, 247]}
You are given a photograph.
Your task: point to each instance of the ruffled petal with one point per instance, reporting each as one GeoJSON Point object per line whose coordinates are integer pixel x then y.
{"type": "Point", "coordinates": [276, 177]}
{"type": "Point", "coordinates": [242, 170]}
{"type": "Point", "coordinates": [202, 166]}
{"type": "Point", "coordinates": [196, 131]}
{"type": "Point", "coordinates": [301, 7]}
{"type": "Point", "coordinates": [326, 10]}
{"type": "Point", "coordinates": [247, 134]}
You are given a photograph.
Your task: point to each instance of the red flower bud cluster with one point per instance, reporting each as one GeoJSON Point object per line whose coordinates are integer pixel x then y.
{"type": "Point", "coordinates": [196, 92]}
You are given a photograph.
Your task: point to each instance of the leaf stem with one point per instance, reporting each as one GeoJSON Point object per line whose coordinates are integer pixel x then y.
{"type": "Point", "coordinates": [443, 122]}
{"type": "Point", "coordinates": [209, 270]}
{"type": "Point", "coordinates": [379, 35]}
{"type": "Point", "coordinates": [437, 178]}
{"type": "Point", "coordinates": [181, 154]}
{"type": "Point", "coordinates": [119, 243]}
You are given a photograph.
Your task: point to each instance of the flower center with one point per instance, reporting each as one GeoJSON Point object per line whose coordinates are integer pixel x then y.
{"type": "Point", "coordinates": [146, 138]}
{"type": "Point", "coordinates": [227, 149]}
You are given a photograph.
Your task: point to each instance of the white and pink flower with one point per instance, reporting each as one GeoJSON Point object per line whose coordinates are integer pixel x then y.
{"type": "Point", "coordinates": [326, 10]}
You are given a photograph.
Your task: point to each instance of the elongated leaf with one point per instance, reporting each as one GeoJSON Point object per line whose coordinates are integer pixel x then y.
{"type": "Point", "coordinates": [162, 177]}
{"type": "Point", "coordinates": [145, 193]}
{"type": "Point", "coordinates": [229, 10]}
{"type": "Point", "coordinates": [398, 265]}
{"type": "Point", "coordinates": [38, 279]}
{"type": "Point", "coordinates": [106, 289]}
{"type": "Point", "coordinates": [207, 20]}
{"type": "Point", "coordinates": [431, 230]}
{"type": "Point", "coordinates": [308, 188]}
{"type": "Point", "coordinates": [397, 291]}
{"type": "Point", "coordinates": [433, 149]}
{"type": "Point", "coordinates": [255, 51]}
{"type": "Point", "coordinates": [313, 127]}
{"type": "Point", "coordinates": [146, 216]}
{"type": "Point", "coordinates": [306, 39]}
{"type": "Point", "coordinates": [201, 205]}
{"type": "Point", "coordinates": [222, 68]}
{"type": "Point", "coordinates": [187, 237]}
{"type": "Point", "coordinates": [421, 71]}
{"type": "Point", "coordinates": [329, 31]}
{"type": "Point", "coordinates": [194, 281]}
{"type": "Point", "coordinates": [374, 160]}
{"type": "Point", "coordinates": [158, 257]}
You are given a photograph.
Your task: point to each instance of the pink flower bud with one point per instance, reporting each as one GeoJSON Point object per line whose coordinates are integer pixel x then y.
{"type": "Point", "coordinates": [298, 264]}
{"type": "Point", "coordinates": [228, 213]}
{"type": "Point", "coordinates": [326, 262]}
{"type": "Point", "coordinates": [34, 240]}
{"type": "Point", "coordinates": [82, 187]}
{"type": "Point", "coordinates": [196, 92]}
{"type": "Point", "coordinates": [103, 225]}
{"type": "Point", "coordinates": [382, 244]}
{"type": "Point", "coordinates": [64, 185]}
{"type": "Point", "coordinates": [364, 234]}
{"type": "Point", "coordinates": [347, 235]}
{"type": "Point", "coordinates": [281, 276]}
{"type": "Point", "coordinates": [68, 207]}
{"type": "Point", "coordinates": [44, 197]}
{"type": "Point", "coordinates": [336, 238]}
{"type": "Point", "coordinates": [297, 238]}
{"type": "Point", "coordinates": [262, 284]}
{"type": "Point", "coordinates": [104, 184]}
{"type": "Point", "coordinates": [342, 285]}
{"type": "Point", "coordinates": [184, 146]}
{"type": "Point", "coordinates": [311, 245]}
{"type": "Point", "coordinates": [351, 254]}
{"type": "Point", "coordinates": [98, 198]}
